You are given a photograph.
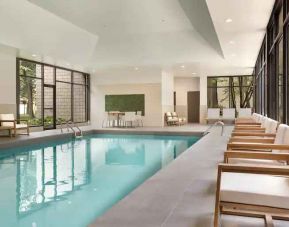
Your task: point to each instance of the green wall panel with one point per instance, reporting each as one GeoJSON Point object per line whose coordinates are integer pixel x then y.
{"type": "Point", "coordinates": [125, 103]}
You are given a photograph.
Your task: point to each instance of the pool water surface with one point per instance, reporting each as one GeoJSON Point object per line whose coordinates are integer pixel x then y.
{"type": "Point", "coordinates": [72, 182]}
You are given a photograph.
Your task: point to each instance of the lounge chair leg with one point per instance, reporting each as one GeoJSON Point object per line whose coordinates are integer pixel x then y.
{"type": "Point", "coordinates": [269, 220]}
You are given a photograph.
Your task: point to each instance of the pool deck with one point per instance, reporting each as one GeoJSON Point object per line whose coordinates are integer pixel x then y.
{"type": "Point", "coordinates": [180, 195]}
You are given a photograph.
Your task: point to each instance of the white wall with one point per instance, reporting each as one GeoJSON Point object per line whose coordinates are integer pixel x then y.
{"type": "Point", "coordinates": [182, 86]}
{"type": "Point", "coordinates": [167, 92]}
{"type": "Point", "coordinates": [152, 92]}
{"type": "Point", "coordinates": [203, 99]}
{"type": "Point", "coordinates": [7, 80]}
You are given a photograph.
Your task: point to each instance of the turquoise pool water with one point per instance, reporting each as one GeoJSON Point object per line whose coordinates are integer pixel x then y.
{"type": "Point", "coordinates": [72, 182]}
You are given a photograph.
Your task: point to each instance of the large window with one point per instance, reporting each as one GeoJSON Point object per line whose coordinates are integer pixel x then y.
{"type": "Point", "coordinates": [230, 92]}
{"type": "Point", "coordinates": [271, 70]}
{"type": "Point", "coordinates": [49, 95]}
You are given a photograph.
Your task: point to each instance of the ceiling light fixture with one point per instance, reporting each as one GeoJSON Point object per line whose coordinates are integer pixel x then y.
{"type": "Point", "coordinates": [194, 73]}
{"type": "Point", "coordinates": [183, 66]}
{"type": "Point", "coordinates": [228, 20]}
{"type": "Point", "coordinates": [34, 55]}
{"type": "Point", "coordinates": [136, 68]}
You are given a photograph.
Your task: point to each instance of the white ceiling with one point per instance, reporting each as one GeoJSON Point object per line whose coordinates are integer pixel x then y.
{"type": "Point", "coordinates": [105, 35]}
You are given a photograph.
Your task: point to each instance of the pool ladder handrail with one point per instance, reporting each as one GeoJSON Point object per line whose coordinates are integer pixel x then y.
{"type": "Point", "coordinates": [216, 123]}
{"type": "Point", "coordinates": [71, 125]}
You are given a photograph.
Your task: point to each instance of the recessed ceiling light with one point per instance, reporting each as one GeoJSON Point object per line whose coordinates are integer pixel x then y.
{"type": "Point", "coordinates": [34, 55]}
{"type": "Point", "coordinates": [136, 68]}
{"type": "Point", "coordinates": [232, 42]}
{"type": "Point", "coordinates": [68, 64]}
{"type": "Point", "coordinates": [228, 20]}
{"type": "Point", "coordinates": [194, 73]}
{"type": "Point", "coordinates": [182, 66]}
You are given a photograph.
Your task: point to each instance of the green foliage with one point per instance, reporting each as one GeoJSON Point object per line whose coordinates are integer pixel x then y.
{"type": "Point", "coordinates": [125, 103]}
{"type": "Point", "coordinates": [48, 121]}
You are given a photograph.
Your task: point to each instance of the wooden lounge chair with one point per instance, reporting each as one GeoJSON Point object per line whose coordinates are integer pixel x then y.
{"type": "Point", "coordinates": [229, 114]}
{"type": "Point", "coordinates": [282, 137]}
{"type": "Point", "coordinates": [270, 129]}
{"type": "Point", "coordinates": [213, 114]}
{"type": "Point", "coordinates": [246, 190]}
{"type": "Point", "coordinates": [169, 119]}
{"type": "Point", "coordinates": [181, 120]}
{"type": "Point", "coordinates": [245, 113]}
{"type": "Point", "coordinates": [8, 120]}
{"type": "Point", "coordinates": [265, 151]}
{"type": "Point", "coordinates": [253, 120]}
{"type": "Point", "coordinates": [250, 128]}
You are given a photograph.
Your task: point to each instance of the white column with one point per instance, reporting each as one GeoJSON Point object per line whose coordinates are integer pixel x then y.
{"type": "Point", "coordinates": [203, 99]}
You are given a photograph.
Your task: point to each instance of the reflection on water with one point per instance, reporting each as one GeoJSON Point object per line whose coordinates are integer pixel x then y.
{"type": "Point", "coordinates": [49, 185]}
{"type": "Point", "coordinates": [48, 174]}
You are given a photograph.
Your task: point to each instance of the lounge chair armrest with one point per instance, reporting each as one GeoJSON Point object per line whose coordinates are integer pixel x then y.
{"type": "Point", "coordinates": [254, 134]}
{"type": "Point", "coordinates": [256, 155]}
{"type": "Point", "coordinates": [252, 140]}
{"type": "Point", "coordinates": [249, 128]}
{"type": "Point", "coordinates": [8, 121]}
{"type": "Point", "coordinates": [266, 146]}
{"type": "Point", "coordinates": [253, 169]}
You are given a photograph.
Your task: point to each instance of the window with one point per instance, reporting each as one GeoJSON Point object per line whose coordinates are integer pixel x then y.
{"type": "Point", "coordinates": [272, 78]}
{"type": "Point", "coordinates": [49, 95]}
{"type": "Point", "coordinates": [230, 92]}
{"type": "Point", "coordinates": [30, 92]}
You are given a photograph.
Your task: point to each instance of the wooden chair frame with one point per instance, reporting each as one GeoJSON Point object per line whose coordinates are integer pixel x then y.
{"type": "Point", "coordinates": [251, 140]}
{"type": "Point", "coordinates": [249, 210]}
{"type": "Point", "coordinates": [14, 126]}
{"type": "Point", "coordinates": [252, 134]}
{"type": "Point", "coordinates": [256, 155]}
{"type": "Point", "coordinates": [257, 146]}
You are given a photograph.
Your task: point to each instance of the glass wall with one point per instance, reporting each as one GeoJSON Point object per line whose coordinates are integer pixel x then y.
{"type": "Point", "coordinates": [49, 95]}
{"type": "Point", "coordinates": [271, 69]}
{"type": "Point", "coordinates": [230, 92]}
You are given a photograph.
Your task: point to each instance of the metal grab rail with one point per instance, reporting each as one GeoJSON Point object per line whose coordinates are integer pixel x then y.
{"type": "Point", "coordinates": [71, 125]}
{"type": "Point", "coordinates": [216, 123]}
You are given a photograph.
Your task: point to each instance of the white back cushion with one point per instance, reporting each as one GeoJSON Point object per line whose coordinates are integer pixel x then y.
{"type": "Point", "coordinates": [281, 137]}
{"type": "Point", "coordinates": [245, 112]}
{"type": "Point", "coordinates": [9, 117]}
{"type": "Point", "coordinates": [272, 127]}
{"type": "Point", "coordinates": [266, 124]}
{"type": "Point", "coordinates": [280, 133]}
{"type": "Point", "coordinates": [213, 113]}
{"type": "Point", "coordinates": [229, 113]}
{"type": "Point", "coordinates": [169, 114]}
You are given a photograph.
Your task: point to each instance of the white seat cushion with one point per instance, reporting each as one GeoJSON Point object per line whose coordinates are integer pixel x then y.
{"type": "Point", "coordinates": [245, 112]}
{"type": "Point", "coordinates": [213, 113]}
{"type": "Point", "coordinates": [229, 113]}
{"type": "Point", "coordinates": [7, 117]}
{"type": "Point", "coordinates": [255, 189]}
{"type": "Point", "coordinates": [255, 161]}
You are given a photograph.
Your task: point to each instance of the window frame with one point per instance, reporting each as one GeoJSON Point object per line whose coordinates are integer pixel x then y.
{"type": "Point", "coordinates": [86, 86]}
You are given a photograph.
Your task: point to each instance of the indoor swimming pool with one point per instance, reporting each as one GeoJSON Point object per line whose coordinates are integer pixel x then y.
{"type": "Point", "coordinates": [72, 182]}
